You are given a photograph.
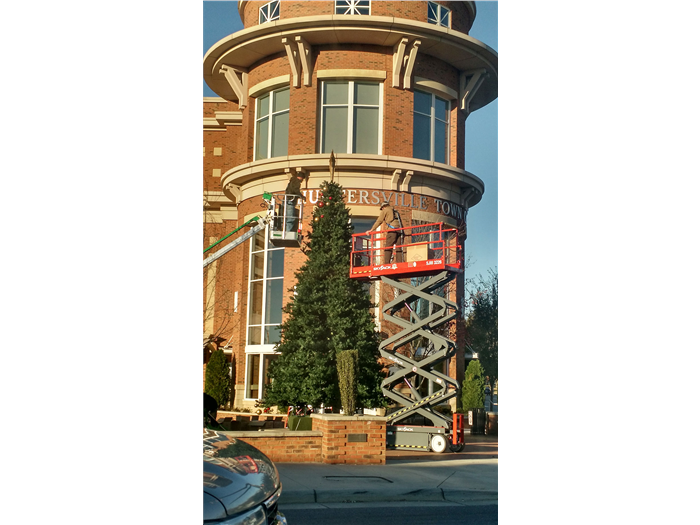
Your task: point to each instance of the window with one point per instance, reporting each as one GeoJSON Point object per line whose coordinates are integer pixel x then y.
{"type": "Point", "coordinates": [438, 14]}
{"type": "Point", "coordinates": [352, 7]}
{"type": "Point", "coordinates": [269, 12]}
{"type": "Point", "coordinates": [256, 375]}
{"type": "Point", "coordinates": [431, 127]}
{"type": "Point", "coordinates": [265, 291]}
{"type": "Point", "coordinates": [350, 117]}
{"type": "Point", "coordinates": [272, 124]}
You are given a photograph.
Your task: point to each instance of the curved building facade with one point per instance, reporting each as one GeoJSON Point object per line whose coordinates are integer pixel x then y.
{"type": "Point", "coordinates": [387, 87]}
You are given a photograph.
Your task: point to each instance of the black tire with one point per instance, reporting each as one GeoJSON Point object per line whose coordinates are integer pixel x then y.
{"type": "Point", "coordinates": [456, 448]}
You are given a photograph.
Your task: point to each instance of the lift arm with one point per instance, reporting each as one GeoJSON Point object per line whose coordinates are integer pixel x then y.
{"type": "Point", "coordinates": [261, 222]}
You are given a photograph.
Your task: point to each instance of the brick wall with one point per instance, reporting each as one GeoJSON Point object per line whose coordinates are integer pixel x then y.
{"type": "Point", "coordinates": [326, 443]}
{"type": "Point", "coordinates": [461, 20]}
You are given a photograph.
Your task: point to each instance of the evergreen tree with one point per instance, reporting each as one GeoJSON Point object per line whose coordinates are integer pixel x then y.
{"type": "Point", "coordinates": [329, 313]}
{"type": "Point", "coordinates": [482, 324]}
{"type": "Point", "coordinates": [216, 378]}
{"type": "Point", "coordinates": [473, 386]}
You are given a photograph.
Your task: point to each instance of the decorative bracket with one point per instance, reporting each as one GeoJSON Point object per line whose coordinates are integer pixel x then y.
{"type": "Point", "coordinates": [293, 56]}
{"type": "Point", "coordinates": [409, 65]}
{"type": "Point", "coordinates": [401, 60]}
{"type": "Point", "coordinates": [305, 58]}
{"type": "Point", "coordinates": [469, 83]}
{"type": "Point", "coordinates": [406, 180]}
{"type": "Point", "coordinates": [240, 87]}
{"type": "Point", "coordinates": [299, 59]}
{"type": "Point", "coordinates": [395, 179]}
{"type": "Point", "coordinates": [399, 50]}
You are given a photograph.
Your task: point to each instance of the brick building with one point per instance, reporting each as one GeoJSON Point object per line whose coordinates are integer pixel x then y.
{"type": "Point", "coordinates": [387, 86]}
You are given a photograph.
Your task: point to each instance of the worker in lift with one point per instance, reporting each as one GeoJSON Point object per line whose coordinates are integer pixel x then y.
{"type": "Point", "coordinates": [392, 219]}
{"type": "Point", "coordinates": [291, 194]}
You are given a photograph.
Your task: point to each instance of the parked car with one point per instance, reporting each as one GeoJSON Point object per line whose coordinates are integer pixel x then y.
{"type": "Point", "coordinates": [241, 484]}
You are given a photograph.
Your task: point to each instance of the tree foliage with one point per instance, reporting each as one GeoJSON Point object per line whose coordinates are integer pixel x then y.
{"type": "Point", "coordinates": [482, 323]}
{"type": "Point", "coordinates": [328, 314]}
{"type": "Point", "coordinates": [347, 379]}
{"type": "Point", "coordinates": [473, 386]}
{"type": "Point", "coordinates": [217, 382]}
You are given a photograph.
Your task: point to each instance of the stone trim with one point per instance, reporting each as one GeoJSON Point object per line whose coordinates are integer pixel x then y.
{"type": "Point", "coordinates": [241, 50]}
{"type": "Point", "coordinates": [351, 73]}
{"type": "Point", "coordinates": [268, 85]}
{"type": "Point", "coordinates": [436, 88]}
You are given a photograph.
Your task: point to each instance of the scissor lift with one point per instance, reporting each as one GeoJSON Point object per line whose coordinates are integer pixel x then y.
{"type": "Point", "coordinates": [436, 255]}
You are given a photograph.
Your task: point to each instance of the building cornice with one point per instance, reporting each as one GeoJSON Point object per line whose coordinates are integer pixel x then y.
{"type": "Point", "coordinates": [243, 49]}
{"type": "Point", "coordinates": [396, 173]}
{"type": "Point", "coordinates": [222, 119]}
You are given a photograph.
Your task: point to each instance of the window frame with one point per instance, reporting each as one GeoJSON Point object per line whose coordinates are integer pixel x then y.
{"type": "Point", "coordinates": [351, 7]}
{"type": "Point", "coordinates": [439, 8]}
{"type": "Point", "coordinates": [269, 116]}
{"type": "Point", "coordinates": [351, 105]}
{"type": "Point", "coordinates": [433, 119]}
{"type": "Point", "coordinates": [262, 350]}
{"type": "Point", "coordinates": [263, 12]}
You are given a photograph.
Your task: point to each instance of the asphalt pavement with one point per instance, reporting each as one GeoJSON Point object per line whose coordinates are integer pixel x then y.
{"type": "Point", "coordinates": [466, 477]}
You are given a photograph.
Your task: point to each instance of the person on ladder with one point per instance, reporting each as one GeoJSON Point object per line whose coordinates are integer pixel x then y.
{"type": "Point", "coordinates": [390, 217]}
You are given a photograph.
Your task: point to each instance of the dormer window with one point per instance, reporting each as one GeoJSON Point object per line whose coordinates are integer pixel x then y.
{"type": "Point", "coordinates": [270, 12]}
{"type": "Point", "coordinates": [352, 7]}
{"type": "Point", "coordinates": [438, 14]}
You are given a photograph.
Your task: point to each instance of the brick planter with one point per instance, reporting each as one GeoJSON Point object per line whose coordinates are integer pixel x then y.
{"type": "Point", "coordinates": [334, 439]}
{"type": "Point", "coordinates": [357, 440]}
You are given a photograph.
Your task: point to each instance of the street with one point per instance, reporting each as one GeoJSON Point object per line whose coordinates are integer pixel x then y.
{"type": "Point", "coordinates": [413, 513]}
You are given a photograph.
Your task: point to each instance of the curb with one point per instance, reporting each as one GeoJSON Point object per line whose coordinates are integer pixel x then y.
{"type": "Point", "coordinates": [362, 496]}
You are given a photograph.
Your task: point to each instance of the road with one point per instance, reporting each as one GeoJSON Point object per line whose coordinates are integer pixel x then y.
{"type": "Point", "coordinates": [414, 513]}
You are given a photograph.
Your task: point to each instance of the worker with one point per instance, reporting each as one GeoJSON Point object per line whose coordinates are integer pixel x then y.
{"type": "Point", "coordinates": [291, 194]}
{"type": "Point", "coordinates": [392, 219]}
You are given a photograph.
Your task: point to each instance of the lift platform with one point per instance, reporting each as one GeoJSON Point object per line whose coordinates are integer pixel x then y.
{"type": "Point", "coordinates": [421, 250]}
{"type": "Point", "coordinates": [429, 251]}
{"type": "Point", "coordinates": [287, 211]}
{"type": "Point", "coordinates": [283, 213]}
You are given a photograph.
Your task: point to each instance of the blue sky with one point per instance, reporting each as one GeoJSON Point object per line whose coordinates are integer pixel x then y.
{"type": "Point", "coordinates": [481, 149]}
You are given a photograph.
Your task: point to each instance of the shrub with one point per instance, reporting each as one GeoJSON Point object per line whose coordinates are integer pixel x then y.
{"type": "Point", "coordinates": [347, 363]}
{"type": "Point", "coordinates": [217, 382]}
{"type": "Point", "coordinates": [473, 386]}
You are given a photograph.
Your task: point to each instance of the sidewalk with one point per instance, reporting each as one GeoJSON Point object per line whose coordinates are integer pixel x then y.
{"type": "Point", "coordinates": [470, 476]}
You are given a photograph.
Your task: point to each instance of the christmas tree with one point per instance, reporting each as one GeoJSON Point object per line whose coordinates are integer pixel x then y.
{"type": "Point", "coordinates": [329, 313]}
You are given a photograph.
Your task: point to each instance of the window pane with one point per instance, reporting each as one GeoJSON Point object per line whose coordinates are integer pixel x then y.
{"type": "Point", "coordinates": [256, 265]}
{"type": "Point", "coordinates": [252, 375]}
{"type": "Point", "coordinates": [259, 241]}
{"type": "Point", "coordinates": [422, 102]}
{"type": "Point", "coordinates": [263, 105]}
{"type": "Point", "coordinates": [421, 136]}
{"type": "Point", "coordinates": [366, 130]}
{"type": "Point", "coordinates": [272, 335]}
{"type": "Point", "coordinates": [280, 134]}
{"type": "Point", "coordinates": [267, 359]}
{"type": "Point", "coordinates": [367, 94]}
{"type": "Point", "coordinates": [275, 11]}
{"type": "Point", "coordinates": [335, 93]}
{"type": "Point", "coordinates": [254, 335]}
{"type": "Point", "coordinates": [432, 13]}
{"type": "Point", "coordinates": [256, 295]}
{"type": "Point", "coordinates": [261, 136]}
{"type": "Point", "coordinates": [275, 263]}
{"type": "Point", "coordinates": [442, 109]}
{"type": "Point", "coordinates": [281, 101]}
{"type": "Point", "coordinates": [445, 17]}
{"type": "Point", "coordinates": [335, 130]}
{"type": "Point", "coordinates": [440, 142]}
{"type": "Point", "coordinates": [273, 305]}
